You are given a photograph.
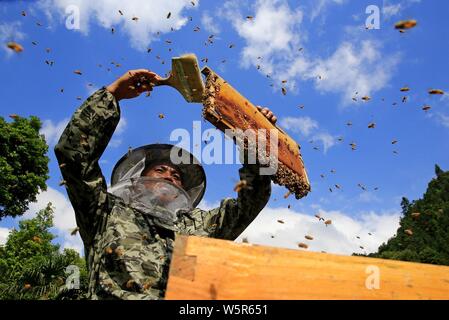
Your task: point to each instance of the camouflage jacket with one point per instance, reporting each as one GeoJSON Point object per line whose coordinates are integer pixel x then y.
{"type": "Point", "coordinates": [127, 254]}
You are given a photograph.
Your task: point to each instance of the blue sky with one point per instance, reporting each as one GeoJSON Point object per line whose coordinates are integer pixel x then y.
{"type": "Point", "coordinates": [339, 57]}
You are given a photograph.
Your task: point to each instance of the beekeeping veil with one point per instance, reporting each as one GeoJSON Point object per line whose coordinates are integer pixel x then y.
{"type": "Point", "coordinates": [159, 198]}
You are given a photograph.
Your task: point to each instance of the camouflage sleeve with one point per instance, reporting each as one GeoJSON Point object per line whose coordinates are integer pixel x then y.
{"type": "Point", "coordinates": [232, 217]}
{"type": "Point", "coordinates": [81, 145]}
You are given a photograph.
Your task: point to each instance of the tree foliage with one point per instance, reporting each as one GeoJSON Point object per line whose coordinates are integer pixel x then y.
{"type": "Point", "coordinates": [423, 233]}
{"type": "Point", "coordinates": [23, 164]}
{"type": "Point", "coordinates": [32, 267]}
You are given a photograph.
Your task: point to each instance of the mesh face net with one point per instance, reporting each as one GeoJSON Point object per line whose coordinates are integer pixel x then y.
{"type": "Point", "coordinates": [158, 198]}
{"type": "Point", "coordinates": [132, 166]}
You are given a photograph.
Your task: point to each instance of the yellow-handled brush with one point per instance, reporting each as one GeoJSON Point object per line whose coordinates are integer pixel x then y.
{"type": "Point", "coordinates": [185, 77]}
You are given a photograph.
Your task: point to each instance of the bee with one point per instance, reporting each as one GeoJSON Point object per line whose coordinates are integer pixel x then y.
{"type": "Point", "coordinates": [408, 232]}
{"type": "Point", "coordinates": [303, 245]}
{"type": "Point", "coordinates": [37, 239]}
{"type": "Point", "coordinates": [405, 89]}
{"type": "Point", "coordinates": [338, 186]}
{"type": "Point", "coordinates": [405, 24]}
{"type": "Point", "coordinates": [14, 46]}
{"type": "Point", "coordinates": [426, 108]}
{"type": "Point", "coordinates": [27, 286]}
{"type": "Point", "coordinates": [249, 17]}
{"type": "Point", "coordinates": [78, 72]}
{"type": "Point", "coordinates": [161, 116]}
{"type": "Point", "coordinates": [353, 145]}
{"type": "Point", "coordinates": [308, 237]}
{"type": "Point", "coordinates": [196, 29]}
{"type": "Point", "coordinates": [74, 231]}
{"type": "Point", "coordinates": [394, 141]}
{"type": "Point", "coordinates": [287, 194]}
{"type": "Point", "coordinates": [135, 18]}
{"type": "Point", "coordinates": [168, 41]}
{"type": "Point", "coordinates": [62, 183]}
{"type": "Point", "coordinates": [284, 91]}
{"type": "Point", "coordinates": [169, 15]}
{"type": "Point", "coordinates": [327, 222]}
{"type": "Point", "coordinates": [121, 13]}
{"type": "Point", "coordinates": [436, 91]}
{"type": "Point", "coordinates": [281, 221]}
{"type": "Point", "coordinates": [245, 240]}
{"type": "Point", "coordinates": [24, 13]}
{"type": "Point", "coordinates": [366, 98]}
{"type": "Point", "coordinates": [231, 46]}
{"type": "Point", "coordinates": [193, 3]}
{"type": "Point", "coordinates": [372, 125]}
{"type": "Point", "coordinates": [62, 165]}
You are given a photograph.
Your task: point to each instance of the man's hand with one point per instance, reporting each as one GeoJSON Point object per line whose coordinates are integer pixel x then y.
{"type": "Point", "coordinates": [268, 114]}
{"type": "Point", "coordinates": [133, 83]}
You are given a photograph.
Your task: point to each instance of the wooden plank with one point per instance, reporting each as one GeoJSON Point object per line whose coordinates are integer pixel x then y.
{"type": "Point", "coordinates": [204, 268]}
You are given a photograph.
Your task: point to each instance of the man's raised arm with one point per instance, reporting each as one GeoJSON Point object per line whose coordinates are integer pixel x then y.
{"type": "Point", "coordinates": [83, 142]}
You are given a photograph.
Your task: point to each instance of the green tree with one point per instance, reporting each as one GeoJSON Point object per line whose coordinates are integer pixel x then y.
{"type": "Point", "coordinates": [423, 233]}
{"type": "Point", "coordinates": [32, 267]}
{"type": "Point", "coordinates": [23, 164]}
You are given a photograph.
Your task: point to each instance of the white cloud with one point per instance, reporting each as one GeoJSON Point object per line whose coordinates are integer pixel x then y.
{"type": "Point", "coordinates": [355, 68]}
{"type": "Point", "coordinates": [390, 10]}
{"type": "Point", "coordinates": [303, 125]}
{"type": "Point", "coordinates": [10, 31]}
{"type": "Point", "coordinates": [52, 131]}
{"type": "Point", "coordinates": [441, 119]}
{"type": "Point", "coordinates": [64, 216]}
{"type": "Point", "coordinates": [206, 205]}
{"type": "Point", "coordinates": [320, 7]}
{"type": "Point", "coordinates": [4, 233]}
{"type": "Point", "coordinates": [209, 23]}
{"type": "Point", "coordinates": [326, 139]}
{"type": "Point", "coordinates": [337, 238]}
{"type": "Point", "coordinates": [151, 14]}
{"type": "Point", "coordinates": [275, 35]}
{"type": "Point", "coordinates": [368, 196]}
{"type": "Point", "coordinates": [270, 34]}
{"type": "Point", "coordinates": [123, 123]}
{"type": "Point", "coordinates": [307, 126]}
